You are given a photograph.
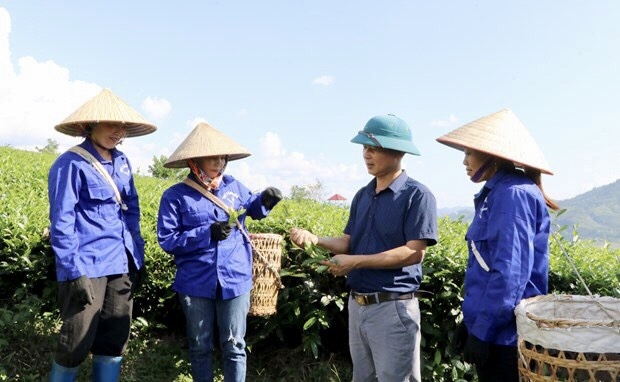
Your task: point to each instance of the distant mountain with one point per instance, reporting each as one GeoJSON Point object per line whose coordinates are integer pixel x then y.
{"type": "Point", "coordinates": [455, 213]}
{"type": "Point", "coordinates": [595, 214]}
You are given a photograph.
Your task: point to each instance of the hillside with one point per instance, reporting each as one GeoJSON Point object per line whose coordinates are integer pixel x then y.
{"type": "Point", "coordinates": [595, 214]}
{"type": "Point", "coordinates": [457, 213]}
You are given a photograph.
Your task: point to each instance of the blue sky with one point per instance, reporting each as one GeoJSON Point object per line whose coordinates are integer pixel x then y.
{"type": "Point", "coordinates": [294, 81]}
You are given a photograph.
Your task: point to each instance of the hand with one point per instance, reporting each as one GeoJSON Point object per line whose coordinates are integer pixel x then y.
{"type": "Point", "coordinates": [220, 230]}
{"type": "Point", "coordinates": [476, 351]}
{"type": "Point", "coordinates": [459, 338]}
{"type": "Point", "coordinates": [301, 237]}
{"type": "Point", "coordinates": [270, 197]}
{"type": "Point", "coordinates": [81, 291]}
{"type": "Point", "coordinates": [138, 278]}
{"type": "Point", "coordinates": [340, 265]}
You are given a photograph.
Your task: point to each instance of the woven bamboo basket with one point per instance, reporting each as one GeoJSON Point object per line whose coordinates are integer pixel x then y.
{"type": "Point", "coordinates": [266, 264]}
{"type": "Point", "coordinates": [569, 338]}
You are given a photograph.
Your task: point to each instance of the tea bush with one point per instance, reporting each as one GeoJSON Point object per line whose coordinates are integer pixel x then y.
{"type": "Point", "coordinates": [311, 319]}
{"type": "Point", "coordinates": [24, 250]}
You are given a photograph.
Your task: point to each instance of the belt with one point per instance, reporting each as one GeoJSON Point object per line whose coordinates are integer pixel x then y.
{"type": "Point", "coordinates": [378, 297]}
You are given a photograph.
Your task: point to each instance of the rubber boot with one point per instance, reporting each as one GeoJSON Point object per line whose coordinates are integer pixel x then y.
{"type": "Point", "coordinates": [106, 368]}
{"type": "Point", "coordinates": [63, 374]}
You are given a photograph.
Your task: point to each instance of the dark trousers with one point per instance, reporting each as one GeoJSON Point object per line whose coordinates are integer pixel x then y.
{"type": "Point", "coordinates": [101, 328]}
{"type": "Point", "coordinates": [501, 366]}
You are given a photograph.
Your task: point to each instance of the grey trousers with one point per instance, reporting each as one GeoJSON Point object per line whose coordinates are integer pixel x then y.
{"type": "Point", "coordinates": [101, 328]}
{"type": "Point", "coordinates": [384, 340]}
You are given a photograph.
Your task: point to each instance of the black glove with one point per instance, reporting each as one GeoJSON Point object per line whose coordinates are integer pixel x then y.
{"type": "Point", "coordinates": [138, 278]}
{"type": "Point", "coordinates": [220, 230]}
{"type": "Point", "coordinates": [81, 291]}
{"type": "Point", "coordinates": [270, 197]}
{"type": "Point", "coordinates": [476, 351]}
{"type": "Point", "coordinates": [459, 338]}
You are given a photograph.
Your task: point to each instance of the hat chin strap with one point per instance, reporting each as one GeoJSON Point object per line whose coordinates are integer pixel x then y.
{"type": "Point", "coordinates": [485, 166]}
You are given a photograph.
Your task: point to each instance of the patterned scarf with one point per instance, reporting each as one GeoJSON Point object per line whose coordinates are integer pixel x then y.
{"type": "Point", "coordinates": [208, 183]}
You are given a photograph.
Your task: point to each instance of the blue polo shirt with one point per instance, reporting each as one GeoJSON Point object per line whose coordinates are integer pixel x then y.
{"type": "Point", "coordinates": [404, 211]}
{"type": "Point", "coordinates": [183, 230]}
{"type": "Point", "coordinates": [510, 231]}
{"type": "Point", "coordinates": [90, 234]}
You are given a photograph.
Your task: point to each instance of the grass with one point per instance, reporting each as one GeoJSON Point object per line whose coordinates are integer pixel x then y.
{"type": "Point", "coordinates": [27, 342]}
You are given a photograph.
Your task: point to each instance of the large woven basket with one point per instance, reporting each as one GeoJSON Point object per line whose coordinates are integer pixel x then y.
{"type": "Point", "coordinates": [266, 264]}
{"type": "Point", "coordinates": [569, 338]}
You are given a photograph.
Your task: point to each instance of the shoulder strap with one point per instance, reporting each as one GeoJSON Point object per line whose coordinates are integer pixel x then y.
{"type": "Point", "coordinates": [192, 183]}
{"type": "Point", "coordinates": [97, 165]}
{"type": "Point", "coordinates": [218, 202]}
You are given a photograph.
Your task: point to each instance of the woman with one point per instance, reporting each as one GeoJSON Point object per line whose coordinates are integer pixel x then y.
{"type": "Point", "coordinates": [201, 223]}
{"type": "Point", "coordinates": [95, 235]}
{"type": "Point", "coordinates": [507, 239]}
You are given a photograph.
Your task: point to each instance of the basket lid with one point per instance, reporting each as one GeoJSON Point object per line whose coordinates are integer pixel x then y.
{"type": "Point", "coordinates": [570, 322]}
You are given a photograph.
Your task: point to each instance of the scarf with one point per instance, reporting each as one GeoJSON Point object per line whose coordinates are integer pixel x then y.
{"type": "Point", "coordinates": [209, 183]}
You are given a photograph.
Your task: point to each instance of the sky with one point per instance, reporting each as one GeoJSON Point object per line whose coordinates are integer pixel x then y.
{"type": "Point", "coordinates": [293, 81]}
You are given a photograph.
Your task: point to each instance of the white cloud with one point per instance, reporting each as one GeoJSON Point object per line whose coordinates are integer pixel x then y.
{"type": "Point", "coordinates": [156, 108]}
{"type": "Point", "coordinates": [5, 57]}
{"type": "Point", "coordinates": [35, 96]}
{"type": "Point", "coordinates": [445, 122]}
{"type": "Point", "coordinates": [190, 124]}
{"type": "Point", "coordinates": [273, 165]}
{"type": "Point", "coordinates": [323, 80]}
{"type": "Point", "coordinates": [270, 146]}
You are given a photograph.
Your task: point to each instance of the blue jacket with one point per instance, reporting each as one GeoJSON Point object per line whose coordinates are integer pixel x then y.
{"type": "Point", "coordinates": [90, 234]}
{"type": "Point", "coordinates": [510, 231]}
{"type": "Point", "coordinates": [183, 230]}
{"type": "Point", "coordinates": [404, 211]}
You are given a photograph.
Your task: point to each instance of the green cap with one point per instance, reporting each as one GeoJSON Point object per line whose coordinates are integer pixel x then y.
{"type": "Point", "coordinates": [388, 132]}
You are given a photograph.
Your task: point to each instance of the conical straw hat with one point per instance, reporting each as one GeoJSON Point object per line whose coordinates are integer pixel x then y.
{"type": "Point", "coordinates": [105, 107]}
{"type": "Point", "coordinates": [205, 141]}
{"type": "Point", "coordinates": [500, 134]}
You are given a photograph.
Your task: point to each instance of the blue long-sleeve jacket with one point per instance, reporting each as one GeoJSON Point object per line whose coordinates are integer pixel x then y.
{"type": "Point", "coordinates": [90, 234]}
{"type": "Point", "coordinates": [183, 230]}
{"type": "Point", "coordinates": [510, 232]}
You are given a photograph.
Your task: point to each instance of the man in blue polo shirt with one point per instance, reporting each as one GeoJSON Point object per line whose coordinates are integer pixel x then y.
{"type": "Point", "coordinates": [392, 221]}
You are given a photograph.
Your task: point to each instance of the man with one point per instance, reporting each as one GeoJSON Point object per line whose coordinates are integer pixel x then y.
{"type": "Point", "coordinates": [392, 221]}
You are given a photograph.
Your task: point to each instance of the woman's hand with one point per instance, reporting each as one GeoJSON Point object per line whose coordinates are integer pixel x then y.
{"type": "Point", "coordinates": [220, 230]}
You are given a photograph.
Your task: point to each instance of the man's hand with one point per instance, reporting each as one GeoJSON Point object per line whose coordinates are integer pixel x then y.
{"type": "Point", "coordinates": [301, 237]}
{"type": "Point", "coordinates": [340, 265]}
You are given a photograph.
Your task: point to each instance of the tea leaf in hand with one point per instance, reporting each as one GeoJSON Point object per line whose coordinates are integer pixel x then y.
{"type": "Point", "coordinates": [233, 215]}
